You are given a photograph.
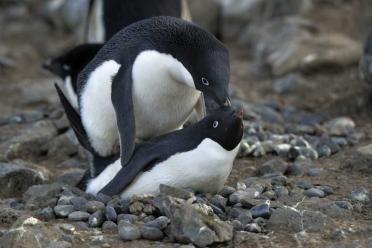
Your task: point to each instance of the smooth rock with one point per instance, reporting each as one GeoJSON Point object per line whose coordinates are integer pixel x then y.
{"type": "Point", "coordinates": [314, 192]}
{"type": "Point", "coordinates": [341, 126]}
{"type": "Point", "coordinates": [63, 211]}
{"type": "Point", "coordinates": [262, 210]}
{"type": "Point", "coordinates": [79, 203]}
{"type": "Point", "coordinates": [272, 166]}
{"type": "Point", "coordinates": [361, 160]}
{"type": "Point", "coordinates": [131, 218]}
{"type": "Point", "coordinates": [94, 206]}
{"type": "Point", "coordinates": [253, 227]}
{"type": "Point", "coordinates": [42, 196]}
{"type": "Point", "coordinates": [96, 219]}
{"type": "Point", "coordinates": [160, 222]}
{"type": "Point", "coordinates": [128, 231]}
{"type": "Point", "coordinates": [109, 226]}
{"type": "Point", "coordinates": [46, 214]}
{"type": "Point", "coordinates": [111, 214]}
{"type": "Point", "coordinates": [151, 233]}
{"type": "Point", "coordinates": [16, 179]}
{"type": "Point", "coordinates": [78, 216]}
{"type": "Point", "coordinates": [103, 198]}
{"type": "Point", "coordinates": [360, 195]}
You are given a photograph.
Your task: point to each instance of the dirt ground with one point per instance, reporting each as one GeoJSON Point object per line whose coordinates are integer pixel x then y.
{"type": "Point", "coordinates": [27, 40]}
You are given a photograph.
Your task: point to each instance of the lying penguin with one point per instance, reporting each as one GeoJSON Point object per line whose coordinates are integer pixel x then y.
{"type": "Point", "coordinates": [365, 66]}
{"type": "Point", "coordinates": [199, 157]}
{"type": "Point", "coordinates": [147, 80]}
{"type": "Point", "coordinates": [107, 17]}
{"type": "Point", "coordinates": [70, 64]}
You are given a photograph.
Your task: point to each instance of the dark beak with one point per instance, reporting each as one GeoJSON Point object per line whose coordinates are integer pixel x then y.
{"type": "Point", "coordinates": [222, 101]}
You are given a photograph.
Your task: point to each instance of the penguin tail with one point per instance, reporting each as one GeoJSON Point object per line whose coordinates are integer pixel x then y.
{"type": "Point", "coordinates": [75, 121]}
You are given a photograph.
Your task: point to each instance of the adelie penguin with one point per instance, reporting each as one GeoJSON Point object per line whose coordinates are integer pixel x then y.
{"type": "Point", "coordinates": [147, 80]}
{"type": "Point", "coordinates": [69, 65]}
{"type": "Point", "coordinates": [199, 157]}
{"type": "Point", "coordinates": [107, 17]}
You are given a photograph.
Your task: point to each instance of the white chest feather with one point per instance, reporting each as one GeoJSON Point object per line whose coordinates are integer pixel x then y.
{"type": "Point", "coordinates": [163, 94]}
{"type": "Point", "coordinates": [204, 169]}
{"type": "Point", "coordinates": [71, 93]}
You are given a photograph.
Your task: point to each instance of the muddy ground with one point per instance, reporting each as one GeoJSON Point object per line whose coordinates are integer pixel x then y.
{"type": "Point", "coordinates": [27, 41]}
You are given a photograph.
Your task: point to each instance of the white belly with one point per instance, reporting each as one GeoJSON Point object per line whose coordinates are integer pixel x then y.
{"type": "Point", "coordinates": [162, 102]}
{"type": "Point", "coordinates": [204, 169]}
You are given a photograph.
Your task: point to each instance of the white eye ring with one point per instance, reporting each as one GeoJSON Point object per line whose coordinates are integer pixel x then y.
{"type": "Point", "coordinates": [205, 81]}
{"type": "Point", "coordinates": [215, 124]}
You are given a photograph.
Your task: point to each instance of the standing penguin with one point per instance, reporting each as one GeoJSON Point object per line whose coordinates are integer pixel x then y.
{"type": "Point", "coordinates": [199, 157]}
{"type": "Point", "coordinates": [107, 17]}
{"type": "Point", "coordinates": [147, 80]}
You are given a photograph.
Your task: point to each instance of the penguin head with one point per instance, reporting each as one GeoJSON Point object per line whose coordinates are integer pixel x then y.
{"type": "Point", "coordinates": [58, 67]}
{"type": "Point", "coordinates": [225, 126]}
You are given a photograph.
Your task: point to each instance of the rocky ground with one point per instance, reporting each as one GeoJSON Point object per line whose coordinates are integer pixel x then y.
{"type": "Point", "coordinates": [302, 178]}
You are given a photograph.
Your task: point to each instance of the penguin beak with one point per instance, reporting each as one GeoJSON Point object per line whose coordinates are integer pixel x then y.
{"type": "Point", "coordinates": [222, 101]}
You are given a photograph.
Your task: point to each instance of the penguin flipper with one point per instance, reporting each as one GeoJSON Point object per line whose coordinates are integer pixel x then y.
{"type": "Point", "coordinates": [75, 121]}
{"type": "Point", "coordinates": [141, 161]}
{"type": "Point", "coordinates": [122, 100]}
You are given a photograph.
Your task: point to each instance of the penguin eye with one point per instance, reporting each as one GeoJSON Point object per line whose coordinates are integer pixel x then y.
{"type": "Point", "coordinates": [205, 81]}
{"type": "Point", "coordinates": [66, 67]}
{"type": "Point", "coordinates": [215, 124]}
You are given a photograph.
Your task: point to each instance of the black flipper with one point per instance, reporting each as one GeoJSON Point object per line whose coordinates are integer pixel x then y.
{"type": "Point", "coordinates": [145, 159]}
{"type": "Point", "coordinates": [75, 121]}
{"type": "Point", "coordinates": [122, 100]}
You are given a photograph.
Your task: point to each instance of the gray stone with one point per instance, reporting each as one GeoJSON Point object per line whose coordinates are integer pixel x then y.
{"type": "Point", "coordinates": [111, 214]}
{"type": "Point", "coordinates": [239, 196]}
{"type": "Point", "coordinates": [131, 218]}
{"type": "Point", "coordinates": [94, 206]}
{"type": "Point", "coordinates": [175, 192]}
{"type": "Point", "coordinates": [63, 211]}
{"type": "Point", "coordinates": [326, 189]}
{"type": "Point", "coordinates": [219, 201]}
{"type": "Point", "coordinates": [15, 179]}
{"type": "Point", "coordinates": [302, 184]}
{"type": "Point", "coordinates": [46, 214]}
{"type": "Point", "coordinates": [78, 216]}
{"type": "Point", "coordinates": [79, 203]}
{"type": "Point", "coordinates": [121, 206]}
{"type": "Point", "coordinates": [193, 223]}
{"type": "Point", "coordinates": [8, 215]}
{"type": "Point", "coordinates": [109, 226]}
{"type": "Point", "coordinates": [360, 195]}
{"type": "Point", "coordinates": [72, 177]}
{"type": "Point", "coordinates": [314, 192]}
{"type": "Point", "coordinates": [314, 221]}
{"type": "Point", "coordinates": [245, 217]}
{"type": "Point", "coordinates": [281, 191]}
{"type": "Point", "coordinates": [151, 233]}
{"type": "Point", "coordinates": [128, 231]}
{"type": "Point", "coordinates": [286, 84]}
{"type": "Point", "coordinates": [30, 232]}
{"type": "Point", "coordinates": [344, 204]}
{"type": "Point", "coordinates": [262, 210]}
{"type": "Point", "coordinates": [365, 64]}
{"type": "Point", "coordinates": [238, 226]}
{"type": "Point", "coordinates": [60, 244]}
{"type": "Point", "coordinates": [42, 196]}
{"type": "Point", "coordinates": [341, 126]}
{"type": "Point", "coordinates": [253, 227]}
{"type": "Point", "coordinates": [103, 198]}
{"type": "Point", "coordinates": [226, 191]}
{"type": "Point", "coordinates": [160, 222]}
{"type": "Point", "coordinates": [96, 219]}
{"type": "Point", "coordinates": [272, 166]}
{"type": "Point", "coordinates": [62, 146]}
{"type": "Point", "coordinates": [361, 160]}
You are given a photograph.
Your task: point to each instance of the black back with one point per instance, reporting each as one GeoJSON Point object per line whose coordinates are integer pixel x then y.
{"type": "Point", "coordinates": [120, 13]}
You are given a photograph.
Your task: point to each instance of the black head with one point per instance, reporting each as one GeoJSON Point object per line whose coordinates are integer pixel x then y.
{"type": "Point", "coordinates": [224, 126]}
{"type": "Point", "coordinates": [73, 61]}
{"type": "Point", "coordinates": [200, 52]}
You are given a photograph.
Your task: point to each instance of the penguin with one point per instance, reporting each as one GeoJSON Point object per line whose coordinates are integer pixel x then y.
{"type": "Point", "coordinates": [199, 157]}
{"type": "Point", "coordinates": [107, 17]}
{"type": "Point", "coordinates": [68, 65]}
{"type": "Point", "coordinates": [147, 80]}
{"type": "Point", "coordinates": [365, 65]}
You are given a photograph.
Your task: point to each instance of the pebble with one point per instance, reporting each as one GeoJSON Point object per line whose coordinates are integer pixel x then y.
{"type": "Point", "coordinates": [260, 221]}
{"type": "Point", "coordinates": [78, 216]}
{"type": "Point", "coordinates": [344, 204]}
{"type": "Point", "coordinates": [148, 218]}
{"type": "Point", "coordinates": [302, 184]}
{"type": "Point", "coordinates": [245, 217]}
{"type": "Point", "coordinates": [226, 191]}
{"type": "Point", "coordinates": [219, 201]}
{"type": "Point", "coordinates": [103, 198]}
{"type": "Point", "coordinates": [253, 227]}
{"type": "Point", "coordinates": [121, 206]}
{"type": "Point", "coordinates": [160, 222]}
{"type": "Point", "coordinates": [281, 191]}
{"type": "Point", "coordinates": [79, 203]}
{"type": "Point", "coordinates": [237, 225]}
{"type": "Point", "coordinates": [262, 210]}
{"type": "Point", "coordinates": [109, 226]}
{"type": "Point", "coordinates": [360, 195]}
{"type": "Point", "coordinates": [96, 219]}
{"type": "Point", "coordinates": [314, 192]}
{"type": "Point", "coordinates": [128, 231]}
{"type": "Point", "coordinates": [326, 189]}
{"type": "Point", "coordinates": [46, 214]}
{"type": "Point", "coordinates": [82, 225]}
{"type": "Point", "coordinates": [131, 218]}
{"type": "Point", "coordinates": [110, 214]}
{"type": "Point", "coordinates": [94, 206]}
{"type": "Point", "coordinates": [314, 172]}
{"type": "Point", "coordinates": [152, 233]}
{"type": "Point", "coordinates": [63, 211]}
{"type": "Point", "coordinates": [272, 166]}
